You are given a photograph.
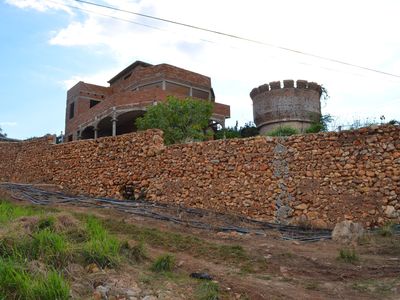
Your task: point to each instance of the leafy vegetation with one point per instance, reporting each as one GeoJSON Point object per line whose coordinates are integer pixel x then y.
{"type": "Point", "coordinates": [2, 133]}
{"type": "Point", "coordinates": [320, 125]}
{"type": "Point", "coordinates": [248, 130]}
{"type": "Point", "coordinates": [163, 263]}
{"type": "Point", "coordinates": [348, 255]}
{"type": "Point", "coordinates": [180, 120]}
{"type": "Point", "coordinates": [283, 131]}
{"type": "Point", "coordinates": [208, 290]}
{"type": "Point", "coordinates": [9, 212]}
{"type": "Point", "coordinates": [386, 230]}
{"type": "Point", "coordinates": [101, 248]}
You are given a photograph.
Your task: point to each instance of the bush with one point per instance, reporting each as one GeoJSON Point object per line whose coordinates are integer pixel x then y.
{"type": "Point", "coordinates": [102, 248]}
{"type": "Point", "coordinates": [207, 291]}
{"type": "Point", "coordinates": [164, 263]}
{"type": "Point", "coordinates": [348, 255]}
{"type": "Point", "coordinates": [283, 131]}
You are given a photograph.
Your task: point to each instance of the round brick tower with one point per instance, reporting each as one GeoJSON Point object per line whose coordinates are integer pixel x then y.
{"type": "Point", "coordinates": [276, 105]}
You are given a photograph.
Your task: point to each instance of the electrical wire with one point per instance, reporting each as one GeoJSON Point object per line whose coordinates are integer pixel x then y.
{"type": "Point", "coordinates": [241, 38]}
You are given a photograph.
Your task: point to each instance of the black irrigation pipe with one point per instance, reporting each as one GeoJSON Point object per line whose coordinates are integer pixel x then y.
{"type": "Point", "coordinates": [146, 209]}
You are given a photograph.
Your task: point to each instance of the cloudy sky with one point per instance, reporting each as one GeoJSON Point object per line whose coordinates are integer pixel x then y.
{"type": "Point", "coordinates": [48, 45]}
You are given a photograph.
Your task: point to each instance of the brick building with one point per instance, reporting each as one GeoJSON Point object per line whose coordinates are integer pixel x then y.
{"type": "Point", "coordinates": [96, 111]}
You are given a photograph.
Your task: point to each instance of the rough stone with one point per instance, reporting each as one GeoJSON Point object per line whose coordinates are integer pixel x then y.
{"type": "Point", "coordinates": [347, 231]}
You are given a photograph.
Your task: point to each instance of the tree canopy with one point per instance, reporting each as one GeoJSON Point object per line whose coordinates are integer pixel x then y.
{"type": "Point", "coordinates": [180, 120]}
{"type": "Point", "coordinates": [2, 134]}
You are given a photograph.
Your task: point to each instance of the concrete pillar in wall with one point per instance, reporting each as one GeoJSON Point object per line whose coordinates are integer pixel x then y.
{"type": "Point", "coordinates": [96, 131]}
{"type": "Point", "coordinates": [114, 126]}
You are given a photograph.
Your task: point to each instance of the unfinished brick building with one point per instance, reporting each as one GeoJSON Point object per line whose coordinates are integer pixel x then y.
{"type": "Point", "coordinates": [96, 111]}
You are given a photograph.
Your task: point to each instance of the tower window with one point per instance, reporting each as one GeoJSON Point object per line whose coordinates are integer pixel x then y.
{"type": "Point", "coordinates": [71, 110]}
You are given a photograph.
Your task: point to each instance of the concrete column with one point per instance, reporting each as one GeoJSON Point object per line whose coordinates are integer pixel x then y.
{"type": "Point", "coordinates": [96, 131]}
{"type": "Point", "coordinates": [114, 126]}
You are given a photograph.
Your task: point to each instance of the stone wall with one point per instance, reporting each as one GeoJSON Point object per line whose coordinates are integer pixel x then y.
{"type": "Point", "coordinates": [318, 179]}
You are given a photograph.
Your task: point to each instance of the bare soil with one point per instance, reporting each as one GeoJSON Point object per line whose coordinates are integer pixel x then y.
{"type": "Point", "coordinates": [271, 269]}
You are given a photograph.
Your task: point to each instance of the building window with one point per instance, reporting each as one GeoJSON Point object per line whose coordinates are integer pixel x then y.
{"type": "Point", "coordinates": [154, 85]}
{"type": "Point", "coordinates": [70, 138]}
{"type": "Point", "coordinates": [177, 88]}
{"type": "Point", "coordinates": [196, 93]}
{"type": "Point", "coordinates": [71, 110]}
{"type": "Point", "coordinates": [93, 103]}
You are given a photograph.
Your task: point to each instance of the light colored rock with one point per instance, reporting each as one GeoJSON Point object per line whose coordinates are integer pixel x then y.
{"type": "Point", "coordinates": [347, 232]}
{"type": "Point", "coordinates": [301, 206]}
{"type": "Point", "coordinates": [391, 212]}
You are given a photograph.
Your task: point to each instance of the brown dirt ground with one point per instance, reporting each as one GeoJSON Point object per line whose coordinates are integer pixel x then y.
{"type": "Point", "coordinates": [279, 269]}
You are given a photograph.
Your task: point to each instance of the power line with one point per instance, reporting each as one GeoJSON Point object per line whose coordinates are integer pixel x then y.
{"type": "Point", "coordinates": [240, 38]}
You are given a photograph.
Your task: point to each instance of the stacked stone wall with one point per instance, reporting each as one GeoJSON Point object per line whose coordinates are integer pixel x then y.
{"type": "Point", "coordinates": [318, 179]}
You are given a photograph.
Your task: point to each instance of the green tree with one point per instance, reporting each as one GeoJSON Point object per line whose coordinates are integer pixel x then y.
{"type": "Point", "coordinates": [2, 134]}
{"type": "Point", "coordinates": [181, 120]}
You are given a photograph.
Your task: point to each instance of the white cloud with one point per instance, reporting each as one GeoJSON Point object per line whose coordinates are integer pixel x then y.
{"type": "Point", "coordinates": [40, 5]}
{"type": "Point", "coordinates": [8, 124]}
{"type": "Point", "coordinates": [358, 32]}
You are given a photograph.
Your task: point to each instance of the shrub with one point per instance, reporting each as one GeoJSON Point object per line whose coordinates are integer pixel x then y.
{"type": "Point", "coordinates": [102, 248]}
{"type": "Point", "coordinates": [164, 263]}
{"type": "Point", "coordinates": [283, 131]}
{"type": "Point", "coordinates": [207, 290]}
{"type": "Point", "coordinates": [348, 255]}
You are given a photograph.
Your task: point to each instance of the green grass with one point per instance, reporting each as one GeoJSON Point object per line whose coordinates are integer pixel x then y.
{"type": "Point", "coordinates": [17, 283]}
{"type": "Point", "coordinates": [283, 131]}
{"type": "Point", "coordinates": [50, 247]}
{"type": "Point", "coordinates": [348, 255]}
{"type": "Point", "coordinates": [9, 211]}
{"type": "Point", "coordinates": [102, 248]}
{"type": "Point", "coordinates": [386, 230]}
{"type": "Point", "coordinates": [136, 253]}
{"type": "Point", "coordinates": [207, 290]}
{"type": "Point", "coordinates": [163, 263]}
{"type": "Point", "coordinates": [176, 242]}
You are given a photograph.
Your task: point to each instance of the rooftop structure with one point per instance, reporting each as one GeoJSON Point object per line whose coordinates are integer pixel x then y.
{"type": "Point", "coordinates": [95, 111]}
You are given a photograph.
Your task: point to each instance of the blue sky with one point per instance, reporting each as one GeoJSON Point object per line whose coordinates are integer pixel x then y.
{"type": "Point", "coordinates": [47, 47]}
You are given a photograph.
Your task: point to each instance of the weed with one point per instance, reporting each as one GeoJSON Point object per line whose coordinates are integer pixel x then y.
{"type": "Point", "coordinates": [164, 263]}
{"type": "Point", "coordinates": [50, 247]}
{"type": "Point", "coordinates": [311, 285]}
{"type": "Point", "coordinates": [179, 242]}
{"type": "Point", "coordinates": [102, 248]}
{"type": "Point", "coordinates": [137, 252]}
{"type": "Point", "coordinates": [283, 131]}
{"type": "Point", "coordinates": [386, 230]}
{"type": "Point", "coordinates": [348, 255]}
{"type": "Point", "coordinates": [46, 223]}
{"type": "Point", "coordinates": [207, 290]}
{"type": "Point", "coordinates": [17, 283]}
{"type": "Point", "coordinates": [9, 211]}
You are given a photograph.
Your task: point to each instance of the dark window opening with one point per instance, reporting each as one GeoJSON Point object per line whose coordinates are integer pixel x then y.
{"type": "Point", "coordinates": [71, 110]}
{"type": "Point", "coordinates": [70, 138]}
{"type": "Point", "coordinates": [200, 94]}
{"type": "Point", "coordinates": [93, 103]}
{"type": "Point", "coordinates": [177, 88]}
{"type": "Point", "coordinates": [154, 85]}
